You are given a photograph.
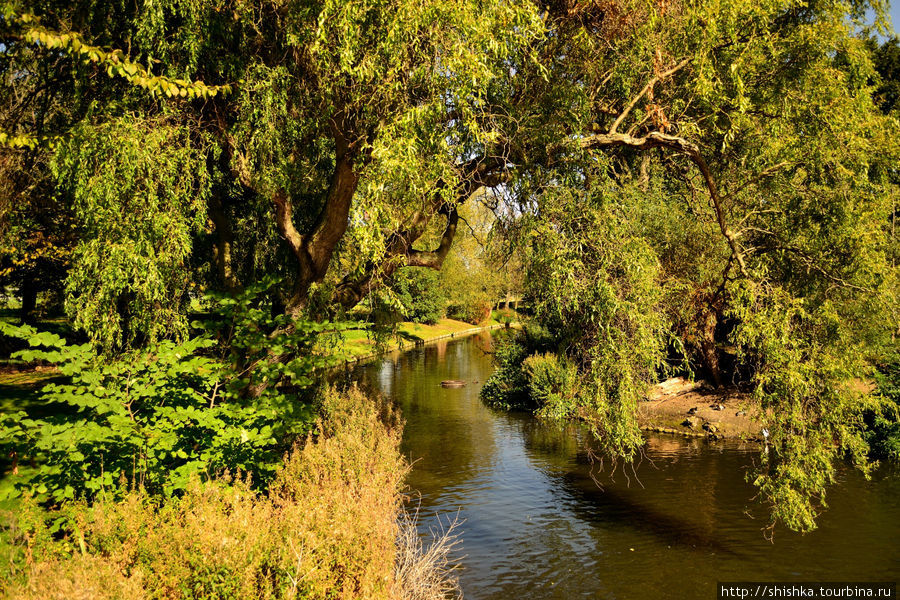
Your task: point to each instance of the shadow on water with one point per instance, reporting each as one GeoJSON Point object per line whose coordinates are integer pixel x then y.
{"type": "Point", "coordinates": [608, 506]}
{"type": "Point", "coordinates": [614, 495]}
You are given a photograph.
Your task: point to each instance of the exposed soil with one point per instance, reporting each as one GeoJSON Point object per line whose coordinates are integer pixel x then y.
{"type": "Point", "coordinates": [694, 408]}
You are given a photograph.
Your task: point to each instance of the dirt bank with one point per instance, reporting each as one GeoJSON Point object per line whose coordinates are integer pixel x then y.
{"type": "Point", "coordinates": [696, 409]}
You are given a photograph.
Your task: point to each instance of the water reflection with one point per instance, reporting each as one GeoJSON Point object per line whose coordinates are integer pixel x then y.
{"type": "Point", "coordinates": [538, 526]}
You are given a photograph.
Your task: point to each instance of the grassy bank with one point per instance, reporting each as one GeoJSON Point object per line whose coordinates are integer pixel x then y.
{"type": "Point", "coordinates": [330, 526]}
{"type": "Point", "coordinates": [360, 343]}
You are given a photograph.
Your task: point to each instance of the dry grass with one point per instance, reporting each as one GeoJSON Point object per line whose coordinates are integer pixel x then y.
{"type": "Point", "coordinates": [426, 572]}
{"type": "Point", "coordinates": [327, 528]}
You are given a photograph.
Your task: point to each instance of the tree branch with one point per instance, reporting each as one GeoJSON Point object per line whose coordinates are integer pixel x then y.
{"type": "Point", "coordinates": [314, 251]}
{"type": "Point", "coordinates": [433, 259]}
{"type": "Point", "coordinates": [657, 139]}
{"type": "Point", "coordinates": [653, 81]}
{"type": "Point", "coordinates": [475, 174]}
{"type": "Point", "coordinates": [284, 220]}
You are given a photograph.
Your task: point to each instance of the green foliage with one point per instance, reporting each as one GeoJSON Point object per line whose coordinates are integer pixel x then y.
{"type": "Point", "coordinates": [421, 295]}
{"type": "Point", "coordinates": [474, 310]}
{"type": "Point", "coordinates": [139, 193]}
{"type": "Point", "coordinates": [806, 364]}
{"type": "Point", "coordinates": [152, 419]}
{"type": "Point", "coordinates": [553, 385]}
{"type": "Point", "coordinates": [505, 315]}
{"type": "Point", "coordinates": [507, 387]}
{"type": "Point", "coordinates": [887, 63]}
{"type": "Point", "coordinates": [474, 274]}
{"type": "Point", "coordinates": [325, 529]}
{"type": "Point", "coordinates": [158, 417]}
{"type": "Point", "coordinates": [595, 284]}
{"type": "Point", "coordinates": [265, 348]}
{"type": "Point", "coordinates": [884, 426]}
{"type": "Point", "coordinates": [114, 61]}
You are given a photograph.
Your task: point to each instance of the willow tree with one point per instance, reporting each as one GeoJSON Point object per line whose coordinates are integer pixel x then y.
{"type": "Point", "coordinates": [297, 122]}
{"type": "Point", "coordinates": [729, 153]}
{"type": "Point", "coordinates": [741, 143]}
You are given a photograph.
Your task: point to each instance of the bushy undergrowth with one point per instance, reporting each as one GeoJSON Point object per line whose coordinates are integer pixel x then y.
{"type": "Point", "coordinates": [326, 528]}
{"type": "Point", "coordinates": [884, 425]}
{"type": "Point", "coordinates": [153, 419]}
{"type": "Point", "coordinates": [530, 375]}
{"type": "Point", "coordinates": [156, 418]}
{"type": "Point", "coordinates": [474, 310]}
{"type": "Point", "coordinates": [552, 385]}
{"type": "Point", "coordinates": [420, 295]}
{"type": "Point", "coordinates": [507, 387]}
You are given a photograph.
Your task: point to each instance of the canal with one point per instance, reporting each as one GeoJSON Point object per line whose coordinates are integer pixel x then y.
{"type": "Point", "coordinates": [544, 519]}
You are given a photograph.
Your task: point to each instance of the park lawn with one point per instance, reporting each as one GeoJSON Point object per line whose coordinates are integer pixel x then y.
{"type": "Point", "coordinates": [358, 343]}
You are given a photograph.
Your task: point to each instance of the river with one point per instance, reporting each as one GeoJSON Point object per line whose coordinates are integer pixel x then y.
{"type": "Point", "coordinates": [538, 525]}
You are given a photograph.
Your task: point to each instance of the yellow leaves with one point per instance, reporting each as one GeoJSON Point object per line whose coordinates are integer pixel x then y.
{"type": "Point", "coordinates": [116, 63]}
{"type": "Point", "coordinates": [22, 141]}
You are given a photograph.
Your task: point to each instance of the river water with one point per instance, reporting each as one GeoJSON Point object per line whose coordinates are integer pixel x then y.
{"type": "Point", "coordinates": [538, 525]}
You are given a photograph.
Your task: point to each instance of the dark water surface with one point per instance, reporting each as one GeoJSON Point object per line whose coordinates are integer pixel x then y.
{"type": "Point", "coordinates": [538, 526]}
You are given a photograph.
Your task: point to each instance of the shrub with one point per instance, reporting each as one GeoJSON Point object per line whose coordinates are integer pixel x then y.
{"type": "Point", "coordinates": [507, 387]}
{"type": "Point", "coordinates": [152, 419]}
{"type": "Point", "coordinates": [421, 295]}
{"type": "Point", "coordinates": [327, 528]}
{"type": "Point", "coordinates": [552, 385]}
{"type": "Point", "coordinates": [884, 425]}
{"type": "Point", "coordinates": [475, 310]}
{"type": "Point", "coordinates": [155, 418]}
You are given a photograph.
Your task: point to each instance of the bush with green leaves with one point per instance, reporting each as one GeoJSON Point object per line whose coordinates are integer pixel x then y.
{"type": "Point", "coordinates": [158, 417]}
{"type": "Point", "coordinates": [474, 310]}
{"type": "Point", "coordinates": [267, 351]}
{"type": "Point", "coordinates": [884, 425]}
{"type": "Point", "coordinates": [152, 418]}
{"type": "Point", "coordinates": [421, 295]}
{"type": "Point", "coordinates": [552, 385]}
{"type": "Point", "coordinates": [507, 387]}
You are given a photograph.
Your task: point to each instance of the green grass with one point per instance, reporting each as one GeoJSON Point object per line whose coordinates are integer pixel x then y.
{"type": "Point", "coordinates": [357, 343]}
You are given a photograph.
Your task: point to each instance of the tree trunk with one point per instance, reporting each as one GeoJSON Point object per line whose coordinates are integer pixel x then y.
{"type": "Point", "coordinates": [29, 293]}
{"type": "Point", "coordinates": [708, 349]}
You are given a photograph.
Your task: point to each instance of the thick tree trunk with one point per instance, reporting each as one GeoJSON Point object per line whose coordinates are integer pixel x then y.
{"type": "Point", "coordinates": [708, 349]}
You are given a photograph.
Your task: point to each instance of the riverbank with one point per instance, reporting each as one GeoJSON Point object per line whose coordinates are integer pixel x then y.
{"type": "Point", "coordinates": [694, 409]}
{"type": "Point", "coordinates": [358, 345]}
